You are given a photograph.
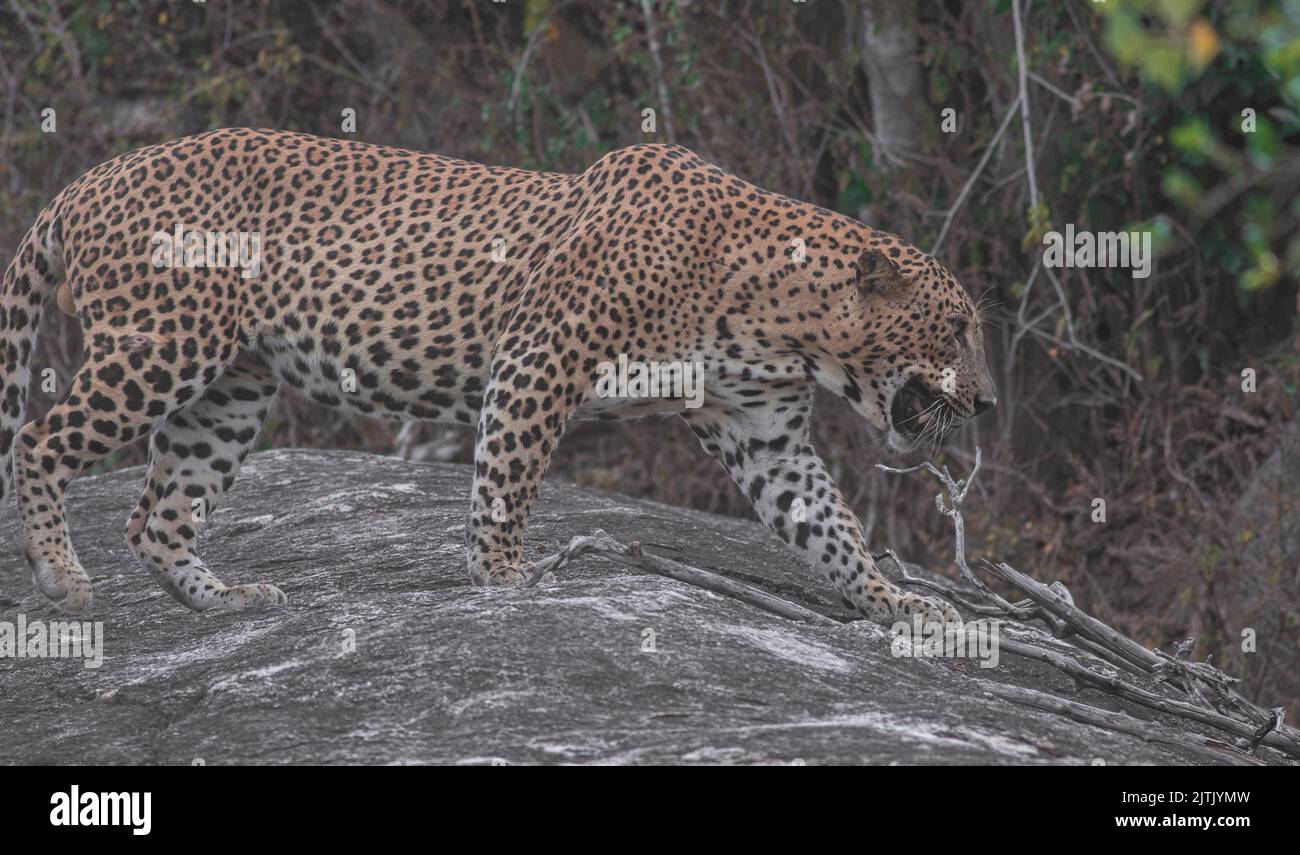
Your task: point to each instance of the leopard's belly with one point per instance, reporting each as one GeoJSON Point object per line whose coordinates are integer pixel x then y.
{"type": "Point", "coordinates": [428, 383]}
{"type": "Point", "coordinates": [439, 384]}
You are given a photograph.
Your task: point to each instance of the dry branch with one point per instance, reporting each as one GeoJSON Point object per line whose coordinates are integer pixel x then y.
{"type": "Point", "coordinates": [600, 543]}
{"type": "Point", "coordinates": [1210, 749]}
{"type": "Point", "coordinates": [1273, 736]}
{"type": "Point", "coordinates": [1210, 698]}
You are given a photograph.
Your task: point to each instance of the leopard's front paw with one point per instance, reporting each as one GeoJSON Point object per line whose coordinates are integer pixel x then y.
{"type": "Point", "coordinates": [499, 575]}
{"type": "Point", "coordinates": [506, 575]}
{"type": "Point", "coordinates": [931, 610]}
{"type": "Point", "coordinates": [254, 596]}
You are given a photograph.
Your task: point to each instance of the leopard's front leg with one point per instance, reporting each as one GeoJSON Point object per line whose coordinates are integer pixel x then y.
{"type": "Point", "coordinates": [767, 452]}
{"type": "Point", "coordinates": [525, 409]}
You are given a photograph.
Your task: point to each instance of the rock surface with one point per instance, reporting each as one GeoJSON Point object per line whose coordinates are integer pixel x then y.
{"type": "Point", "coordinates": [369, 550]}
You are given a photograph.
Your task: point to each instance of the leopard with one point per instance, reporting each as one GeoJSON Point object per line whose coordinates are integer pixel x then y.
{"type": "Point", "coordinates": [418, 287]}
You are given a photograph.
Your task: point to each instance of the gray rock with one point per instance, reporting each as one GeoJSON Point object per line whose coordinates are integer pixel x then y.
{"type": "Point", "coordinates": [370, 549]}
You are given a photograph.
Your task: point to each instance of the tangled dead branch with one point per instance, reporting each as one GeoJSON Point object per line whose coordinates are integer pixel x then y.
{"type": "Point", "coordinates": [1095, 654]}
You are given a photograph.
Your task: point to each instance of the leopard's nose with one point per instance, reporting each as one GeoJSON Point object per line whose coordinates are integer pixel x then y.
{"type": "Point", "coordinates": [982, 403]}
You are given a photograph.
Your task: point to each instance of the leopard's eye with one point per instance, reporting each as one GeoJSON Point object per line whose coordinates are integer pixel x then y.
{"type": "Point", "coordinates": [959, 324]}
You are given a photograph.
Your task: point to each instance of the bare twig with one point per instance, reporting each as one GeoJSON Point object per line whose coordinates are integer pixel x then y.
{"type": "Point", "coordinates": [956, 495]}
{"type": "Point", "coordinates": [1092, 48]}
{"type": "Point", "coordinates": [1024, 102]}
{"type": "Point", "coordinates": [949, 592]}
{"type": "Point", "coordinates": [660, 84]}
{"type": "Point", "coordinates": [600, 543]}
{"type": "Point", "coordinates": [979, 168]}
{"type": "Point", "coordinates": [1074, 343]}
{"type": "Point", "coordinates": [1055, 90]}
{"type": "Point", "coordinates": [521, 69]}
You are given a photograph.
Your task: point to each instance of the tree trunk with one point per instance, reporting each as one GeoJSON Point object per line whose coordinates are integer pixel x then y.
{"type": "Point", "coordinates": [892, 64]}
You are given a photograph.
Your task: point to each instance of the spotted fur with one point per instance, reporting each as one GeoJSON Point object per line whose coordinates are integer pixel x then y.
{"type": "Point", "coordinates": [378, 267]}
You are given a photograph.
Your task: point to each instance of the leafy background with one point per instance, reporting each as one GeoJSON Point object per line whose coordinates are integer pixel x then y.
{"type": "Point", "coordinates": [1110, 387]}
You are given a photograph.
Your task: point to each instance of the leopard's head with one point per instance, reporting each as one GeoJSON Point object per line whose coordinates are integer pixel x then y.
{"type": "Point", "coordinates": [909, 343]}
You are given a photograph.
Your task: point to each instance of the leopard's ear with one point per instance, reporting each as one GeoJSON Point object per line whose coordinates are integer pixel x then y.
{"type": "Point", "coordinates": [878, 274]}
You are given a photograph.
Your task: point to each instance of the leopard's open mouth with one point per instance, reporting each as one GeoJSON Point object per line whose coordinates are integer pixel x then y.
{"type": "Point", "coordinates": [916, 410]}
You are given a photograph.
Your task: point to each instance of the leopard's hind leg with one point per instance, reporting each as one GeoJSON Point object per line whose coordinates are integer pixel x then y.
{"type": "Point", "coordinates": [127, 383]}
{"type": "Point", "coordinates": [194, 457]}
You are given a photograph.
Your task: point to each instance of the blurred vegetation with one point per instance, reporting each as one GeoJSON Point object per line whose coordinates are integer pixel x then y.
{"type": "Point", "coordinates": [1181, 116]}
